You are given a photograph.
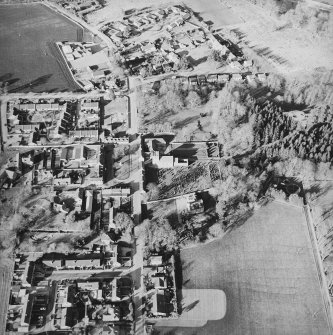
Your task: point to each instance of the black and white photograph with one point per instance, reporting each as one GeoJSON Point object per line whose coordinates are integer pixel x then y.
{"type": "Point", "coordinates": [166, 167]}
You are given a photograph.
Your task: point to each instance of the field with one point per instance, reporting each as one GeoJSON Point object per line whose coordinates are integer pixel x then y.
{"type": "Point", "coordinates": [267, 270]}
{"type": "Point", "coordinates": [322, 211]}
{"type": "Point", "coordinates": [29, 60]}
{"type": "Point", "coordinates": [211, 10]}
{"type": "Point", "coordinates": [274, 38]}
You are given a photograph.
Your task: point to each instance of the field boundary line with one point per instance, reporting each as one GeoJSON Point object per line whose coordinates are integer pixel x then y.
{"type": "Point", "coordinates": [320, 268]}
{"type": "Point", "coordinates": [67, 66]}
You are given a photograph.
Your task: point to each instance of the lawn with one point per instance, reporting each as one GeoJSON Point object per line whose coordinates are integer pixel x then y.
{"type": "Point", "coordinates": [29, 60]}
{"type": "Point", "coordinates": [267, 270]}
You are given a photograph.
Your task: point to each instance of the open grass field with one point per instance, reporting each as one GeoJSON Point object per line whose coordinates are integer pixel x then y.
{"type": "Point", "coordinates": [267, 270]}
{"type": "Point", "coordinates": [212, 10]}
{"type": "Point", "coordinates": [29, 60]}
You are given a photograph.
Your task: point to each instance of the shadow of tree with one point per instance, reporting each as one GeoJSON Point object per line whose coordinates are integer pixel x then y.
{"type": "Point", "coordinates": [190, 306]}
{"type": "Point", "coordinates": [267, 52]}
{"type": "Point", "coordinates": [196, 62]}
{"type": "Point", "coordinates": [12, 81]}
{"type": "Point", "coordinates": [6, 76]}
{"type": "Point", "coordinates": [187, 121]}
{"type": "Point", "coordinates": [39, 81]}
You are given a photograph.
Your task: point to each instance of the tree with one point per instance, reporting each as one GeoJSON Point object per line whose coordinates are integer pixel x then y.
{"type": "Point", "coordinates": [160, 235]}
{"type": "Point", "coordinates": [173, 101]}
{"type": "Point", "coordinates": [123, 221]}
{"type": "Point", "coordinates": [143, 72]}
{"type": "Point", "coordinates": [183, 63]}
{"type": "Point", "coordinates": [216, 229]}
{"type": "Point", "coordinates": [193, 99]}
{"type": "Point", "coordinates": [153, 191]}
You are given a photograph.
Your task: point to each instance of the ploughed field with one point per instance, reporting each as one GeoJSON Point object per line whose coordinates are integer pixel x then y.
{"type": "Point", "coordinates": [30, 61]}
{"type": "Point", "coordinates": [267, 270]}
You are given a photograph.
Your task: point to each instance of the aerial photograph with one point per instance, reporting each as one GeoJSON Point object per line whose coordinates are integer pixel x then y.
{"type": "Point", "coordinates": [166, 167]}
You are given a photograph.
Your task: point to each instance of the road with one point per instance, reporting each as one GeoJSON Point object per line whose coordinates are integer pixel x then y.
{"type": "Point", "coordinates": [137, 271]}
{"type": "Point", "coordinates": [3, 122]}
{"type": "Point", "coordinates": [81, 22]}
{"type": "Point", "coordinates": [5, 283]}
{"type": "Point", "coordinates": [133, 82]}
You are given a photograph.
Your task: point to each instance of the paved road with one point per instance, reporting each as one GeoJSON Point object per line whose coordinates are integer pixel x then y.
{"type": "Point", "coordinates": [3, 121]}
{"type": "Point", "coordinates": [81, 22]}
{"type": "Point", "coordinates": [5, 283]}
{"type": "Point", "coordinates": [137, 271]}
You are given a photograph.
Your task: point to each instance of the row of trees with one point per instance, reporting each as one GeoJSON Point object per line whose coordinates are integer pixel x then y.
{"type": "Point", "coordinates": [278, 135]}
{"type": "Point", "coordinates": [271, 124]}
{"type": "Point", "coordinates": [159, 235]}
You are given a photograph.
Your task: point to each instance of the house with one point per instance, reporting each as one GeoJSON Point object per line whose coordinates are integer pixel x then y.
{"type": "Point", "coordinates": [121, 26]}
{"type": "Point", "coordinates": [186, 16]}
{"type": "Point", "coordinates": [250, 78]}
{"type": "Point", "coordinates": [87, 85]}
{"type": "Point", "coordinates": [76, 54]}
{"type": "Point", "coordinates": [180, 162]}
{"type": "Point", "coordinates": [160, 12]}
{"type": "Point", "coordinates": [152, 16]}
{"type": "Point", "coordinates": [54, 263]}
{"type": "Point", "coordinates": [193, 81]}
{"type": "Point", "coordinates": [70, 57]}
{"type": "Point", "coordinates": [89, 200]}
{"type": "Point", "coordinates": [261, 76]}
{"type": "Point", "coordinates": [174, 58]}
{"type": "Point", "coordinates": [99, 74]}
{"type": "Point", "coordinates": [155, 261]}
{"type": "Point", "coordinates": [90, 133]}
{"type": "Point", "coordinates": [62, 181]}
{"type": "Point", "coordinates": [202, 79]}
{"type": "Point", "coordinates": [67, 49]}
{"type": "Point", "coordinates": [159, 282]}
{"type": "Point", "coordinates": [248, 63]}
{"type": "Point", "coordinates": [27, 107]}
{"type": "Point", "coordinates": [212, 78]}
{"type": "Point", "coordinates": [223, 78]}
{"type": "Point", "coordinates": [47, 107]}
{"type": "Point", "coordinates": [194, 205]}
{"type": "Point", "coordinates": [174, 9]}
{"type": "Point", "coordinates": [136, 21]}
{"type": "Point", "coordinates": [94, 105]}
{"type": "Point", "coordinates": [182, 80]}
{"type": "Point", "coordinates": [237, 77]}
{"type": "Point", "coordinates": [171, 26]}
{"type": "Point", "coordinates": [223, 49]}
{"type": "Point", "coordinates": [148, 48]}
{"type": "Point", "coordinates": [112, 225]}
{"type": "Point", "coordinates": [184, 40]}
{"type": "Point", "coordinates": [231, 57]}
{"type": "Point", "coordinates": [236, 65]}
{"type": "Point", "coordinates": [179, 22]}
{"type": "Point", "coordinates": [163, 162]}
{"type": "Point", "coordinates": [166, 46]}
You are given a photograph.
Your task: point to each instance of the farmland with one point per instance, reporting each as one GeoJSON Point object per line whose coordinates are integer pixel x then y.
{"type": "Point", "coordinates": [29, 59]}
{"type": "Point", "coordinates": [266, 269]}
